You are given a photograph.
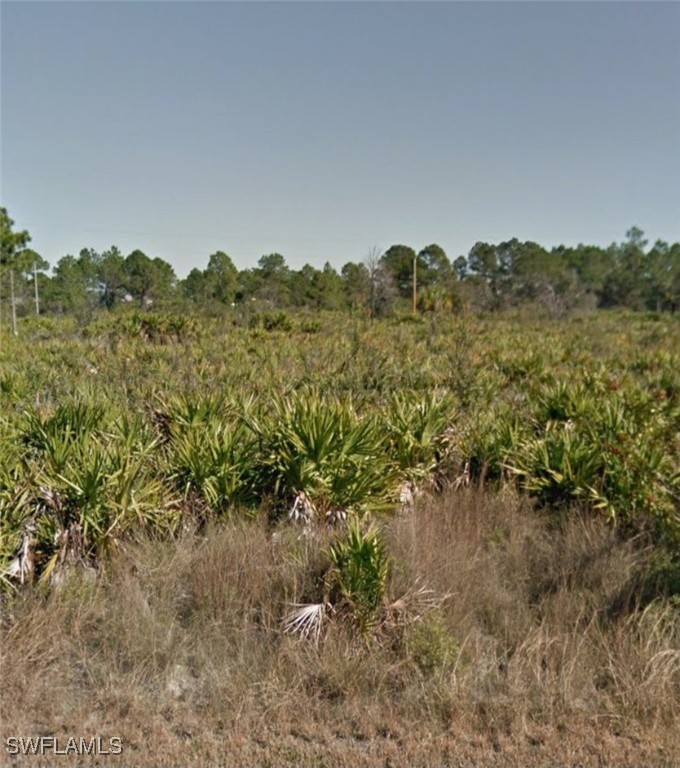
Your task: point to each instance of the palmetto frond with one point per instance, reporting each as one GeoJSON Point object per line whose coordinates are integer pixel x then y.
{"type": "Point", "coordinates": [307, 621]}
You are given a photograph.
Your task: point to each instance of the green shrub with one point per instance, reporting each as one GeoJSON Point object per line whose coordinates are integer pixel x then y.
{"type": "Point", "coordinates": [430, 645]}
{"type": "Point", "coordinates": [215, 461]}
{"type": "Point", "coordinates": [321, 447]}
{"type": "Point", "coordinates": [361, 568]}
{"type": "Point", "coordinates": [271, 321]}
{"type": "Point", "coordinates": [416, 424]}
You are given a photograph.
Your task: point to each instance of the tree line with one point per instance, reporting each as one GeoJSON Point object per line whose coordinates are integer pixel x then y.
{"type": "Point", "coordinates": [492, 277]}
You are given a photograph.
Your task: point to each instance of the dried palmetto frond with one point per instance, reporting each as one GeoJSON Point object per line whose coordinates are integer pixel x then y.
{"type": "Point", "coordinates": [336, 516]}
{"type": "Point", "coordinates": [302, 510]}
{"type": "Point", "coordinates": [306, 621]}
{"type": "Point", "coordinates": [51, 499]}
{"type": "Point", "coordinates": [23, 565]}
{"type": "Point", "coordinates": [417, 601]}
{"type": "Point", "coordinates": [406, 496]}
{"type": "Point", "coordinates": [463, 479]}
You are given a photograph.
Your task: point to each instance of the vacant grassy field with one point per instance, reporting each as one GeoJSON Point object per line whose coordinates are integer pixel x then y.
{"type": "Point", "coordinates": [316, 541]}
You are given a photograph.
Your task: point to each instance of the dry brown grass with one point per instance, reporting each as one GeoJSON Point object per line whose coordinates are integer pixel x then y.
{"type": "Point", "coordinates": [539, 656]}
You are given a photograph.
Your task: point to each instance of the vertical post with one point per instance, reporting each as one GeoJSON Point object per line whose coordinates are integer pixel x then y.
{"type": "Point", "coordinates": [415, 284]}
{"type": "Point", "coordinates": [35, 283]}
{"type": "Point", "coordinates": [14, 303]}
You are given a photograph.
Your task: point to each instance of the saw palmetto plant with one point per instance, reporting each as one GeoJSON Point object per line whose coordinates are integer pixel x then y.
{"type": "Point", "coordinates": [607, 449]}
{"type": "Point", "coordinates": [215, 460]}
{"type": "Point", "coordinates": [321, 447]}
{"type": "Point", "coordinates": [356, 589]}
{"type": "Point", "coordinates": [85, 481]}
{"type": "Point", "coordinates": [360, 572]}
{"type": "Point", "coordinates": [52, 438]}
{"type": "Point", "coordinates": [416, 424]}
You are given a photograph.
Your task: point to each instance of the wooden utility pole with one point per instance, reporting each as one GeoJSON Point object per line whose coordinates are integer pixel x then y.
{"type": "Point", "coordinates": [14, 302]}
{"type": "Point", "coordinates": [35, 283]}
{"type": "Point", "coordinates": [415, 283]}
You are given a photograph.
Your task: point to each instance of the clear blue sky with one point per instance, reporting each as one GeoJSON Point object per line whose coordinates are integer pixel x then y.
{"type": "Point", "coordinates": [319, 130]}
